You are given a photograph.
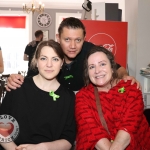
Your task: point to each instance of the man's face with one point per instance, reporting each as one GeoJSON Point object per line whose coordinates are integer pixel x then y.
{"type": "Point", "coordinates": [71, 41]}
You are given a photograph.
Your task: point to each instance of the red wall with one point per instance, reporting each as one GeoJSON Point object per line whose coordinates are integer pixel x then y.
{"type": "Point", "coordinates": [111, 34]}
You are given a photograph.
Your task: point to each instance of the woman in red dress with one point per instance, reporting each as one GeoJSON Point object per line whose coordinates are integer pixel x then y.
{"type": "Point", "coordinates": [122, 107]}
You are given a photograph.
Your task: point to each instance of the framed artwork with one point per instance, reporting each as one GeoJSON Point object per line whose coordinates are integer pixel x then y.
{"type": "Point", "coordinates": [61, 16]}
{"type": "Point", "coordinates": [45, 35]}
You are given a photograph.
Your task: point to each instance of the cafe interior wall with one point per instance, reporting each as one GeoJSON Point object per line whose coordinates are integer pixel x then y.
{"type": "Point", "coordinates": [52, 13]}
{"type": "Point", "coordinates": [136, 14]}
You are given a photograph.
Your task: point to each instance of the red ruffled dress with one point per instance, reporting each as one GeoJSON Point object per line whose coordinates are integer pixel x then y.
{"type": "Point", "coordinates": [122, 111]}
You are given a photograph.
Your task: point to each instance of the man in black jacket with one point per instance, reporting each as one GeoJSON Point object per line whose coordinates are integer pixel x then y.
{"type": "Point", "coordinates": [71, 36]}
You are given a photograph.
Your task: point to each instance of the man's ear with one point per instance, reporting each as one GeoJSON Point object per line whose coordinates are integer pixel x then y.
{"type": "Point", "coordinates": [57, 37]}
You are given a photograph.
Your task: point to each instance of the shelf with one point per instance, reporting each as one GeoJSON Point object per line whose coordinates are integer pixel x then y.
{"type": "Point", "coordinates": [146, 91]}
{"type": "Point", "coordinates": [146, 84]}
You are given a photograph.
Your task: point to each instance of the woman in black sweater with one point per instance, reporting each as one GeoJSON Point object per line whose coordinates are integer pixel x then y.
{"type": "Point", "coordinates": [43, 108]}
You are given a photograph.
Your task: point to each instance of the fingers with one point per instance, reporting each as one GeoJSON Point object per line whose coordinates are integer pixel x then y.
{"type": "Point", "coordinates": [16, 77]}
{"type": "Point", "coordinates": [7, 88]}
{"type": "Point", "coordinates": [125, 78]}
{"type": "Point", "coordinates": [133, 81]}
{"type": "Point", "coordinates": [14, 81]}
{"type": "Point", "coordinates": [22, 147]}
{"type": "Point", "coordinates": [139, 85]}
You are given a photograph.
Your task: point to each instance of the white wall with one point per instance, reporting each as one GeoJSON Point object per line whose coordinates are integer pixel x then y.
{"type": "Point", "coordinates": [137, 15]}
{"type": "Point", "coordinates": [120, 2]}
{"type": "Point", "coordinates": [131, 10]}
{"type": "Point", "coordinates": [143, 36]}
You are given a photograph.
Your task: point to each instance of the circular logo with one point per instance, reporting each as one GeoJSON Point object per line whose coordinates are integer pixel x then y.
{"type": "Point", "coordinates": [105, 40]}
{"type": "Point", "coordinates": [9, 128]}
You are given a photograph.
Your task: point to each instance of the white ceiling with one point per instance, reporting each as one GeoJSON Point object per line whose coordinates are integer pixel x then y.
{"type": "Point", "coordinates": [57, 4]}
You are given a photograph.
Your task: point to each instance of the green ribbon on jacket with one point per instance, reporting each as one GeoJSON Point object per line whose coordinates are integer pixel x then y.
{"type": "Point", "coordinates": [67, 77]}
{"type": "Point", "coordinates": [52, 94]}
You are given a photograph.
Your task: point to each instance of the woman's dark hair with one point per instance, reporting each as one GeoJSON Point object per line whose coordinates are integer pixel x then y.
{"type": "Point", "coordinates": [71, 22]}
{"type": "Point", "coordinates": [51, 43]}
{"type": "Point", "coordinates": [109, 55]}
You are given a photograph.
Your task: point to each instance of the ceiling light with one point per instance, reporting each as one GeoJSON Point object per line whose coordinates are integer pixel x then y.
{"type": "Point", "coordinates": [34, 7]}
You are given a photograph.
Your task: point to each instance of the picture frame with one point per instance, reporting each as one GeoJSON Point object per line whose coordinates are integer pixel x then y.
{"type": "Point", "coordinates": [61, 16]}
{"type": "Point", "coordinates": [46, 35]}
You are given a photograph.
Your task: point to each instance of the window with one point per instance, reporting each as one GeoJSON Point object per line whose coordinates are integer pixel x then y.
{"type": "Point", "coordinates": [13, 42]}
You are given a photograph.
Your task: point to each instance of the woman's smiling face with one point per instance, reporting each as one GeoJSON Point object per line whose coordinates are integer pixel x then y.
{"type": "Point", "coordinates": [99, 69]}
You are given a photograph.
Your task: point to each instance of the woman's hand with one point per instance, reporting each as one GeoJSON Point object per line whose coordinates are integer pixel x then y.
{"type": "Point", "coordinates": [31, 147]}
{"type": "Point", "coordinates": [14, 81]}
{"type": "Point", "coordinates": [121, 141]}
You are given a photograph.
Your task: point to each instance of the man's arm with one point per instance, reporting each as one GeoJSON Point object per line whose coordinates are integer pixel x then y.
{"type": "Point", "coordinates": [122, 72]}
{"type": "Point", "coordinates": [26, 57]}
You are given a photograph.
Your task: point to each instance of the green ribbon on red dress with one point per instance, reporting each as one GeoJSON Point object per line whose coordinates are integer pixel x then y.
{"type": "Point", "coordinates": [121, 90]}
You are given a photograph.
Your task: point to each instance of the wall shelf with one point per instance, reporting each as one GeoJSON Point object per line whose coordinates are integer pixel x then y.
{"type": "Point", "coordinates": [146, 91]}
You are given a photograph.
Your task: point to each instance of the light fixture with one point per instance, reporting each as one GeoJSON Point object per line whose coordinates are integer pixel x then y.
{"type": "Point", "coordinates": [35, 7]}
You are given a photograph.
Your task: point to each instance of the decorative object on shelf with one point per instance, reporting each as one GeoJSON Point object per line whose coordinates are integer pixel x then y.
{"type": "Point", "coordinates": [44, 20]}
{"type": "Point", "coordinates": [145, 71]}
{"type": "Point", "coordinates": [34, 7]}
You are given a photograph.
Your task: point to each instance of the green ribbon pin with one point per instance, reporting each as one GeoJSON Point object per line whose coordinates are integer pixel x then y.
{"type": "Point", "coordinates": [67, 77]}
{"type": "Point", "coordinates": [121, 90]}
{"type": "Point", "coordinates": [52, 94]}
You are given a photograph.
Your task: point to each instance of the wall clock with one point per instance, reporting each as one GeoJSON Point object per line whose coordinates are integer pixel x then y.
{"type": "Point", "coordinates": [44, 20]}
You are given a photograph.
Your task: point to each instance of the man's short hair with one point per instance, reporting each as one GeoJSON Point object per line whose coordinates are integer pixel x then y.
{"type": "Point", "coordinates": [38, 33]}
{"type": "Point", "coordinates": [73, 23]}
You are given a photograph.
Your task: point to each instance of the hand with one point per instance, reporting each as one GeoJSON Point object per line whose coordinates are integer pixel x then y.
{"type": "Point", "coordinates": [14, 81]}
{"type": "Point", "coordinates": [133, 80]}
{"type": "Point", "coordinates": [31, 147]}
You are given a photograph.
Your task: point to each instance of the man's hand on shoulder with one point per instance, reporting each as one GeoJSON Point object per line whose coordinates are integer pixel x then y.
{"type": "Point", "coordinates": [133, 80]}
{"type": "Point", "coordinates": [14, 81]}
